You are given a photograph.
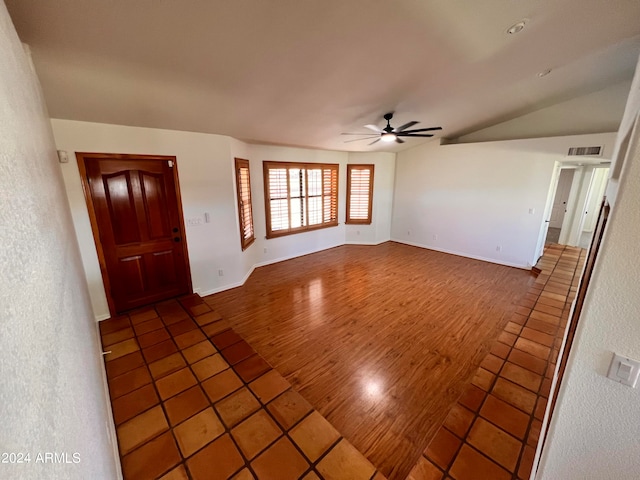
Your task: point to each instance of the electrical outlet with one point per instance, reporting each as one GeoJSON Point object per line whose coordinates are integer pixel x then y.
{"type": "Point", "coordinates": [435, 236]}
{"type": "Point", "coordinates": [357, 232]}
{"type": "Point", "coordinates": [408, 232]}
{"type": "Point", "coordinates": [265, 250]}
{"type": "Point", "coordinates": [221, 273]}
{"type": "Point", "coordinates": [532, 211]}
{"type": "Point", "coordinates": [499, 248]}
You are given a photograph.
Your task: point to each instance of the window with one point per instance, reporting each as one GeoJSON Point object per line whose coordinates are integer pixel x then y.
{"type": "Point", "coordinates": [359, 193]}
{"type": "Point", "coordinates": [243, 183]}
{"type": "Point", "coordinates": [300, 197]}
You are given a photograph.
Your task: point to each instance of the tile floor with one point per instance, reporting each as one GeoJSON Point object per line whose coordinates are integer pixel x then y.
{"type": "Point", "coordinates": [192, 400]}
{"type": "Point", "coordinates": [492, 431]}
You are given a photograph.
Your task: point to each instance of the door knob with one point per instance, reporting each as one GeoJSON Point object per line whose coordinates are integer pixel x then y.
{"type": "Point", "coordinates": [175, 229]}
{"type": "Point", "coordinates": [176, 239]}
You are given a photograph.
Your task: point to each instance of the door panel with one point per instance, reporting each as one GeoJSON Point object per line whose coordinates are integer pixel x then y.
{"type": "Point", "coordinates": [139, 224]}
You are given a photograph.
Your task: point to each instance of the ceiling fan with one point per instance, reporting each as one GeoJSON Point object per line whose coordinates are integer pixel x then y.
{"type": "Point", "coordinates": [389, 134]}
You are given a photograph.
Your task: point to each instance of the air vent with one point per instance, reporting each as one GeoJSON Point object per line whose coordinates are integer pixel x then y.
{"type": "Point", "coordinates": [585, 151]}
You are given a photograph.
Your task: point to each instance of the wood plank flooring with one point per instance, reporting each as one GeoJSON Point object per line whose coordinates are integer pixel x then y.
{"type": "Point", "coordinates": [381, 340]}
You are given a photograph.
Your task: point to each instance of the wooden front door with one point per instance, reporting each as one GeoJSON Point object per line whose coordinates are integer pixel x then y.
{"type": "Point", "coordinates": [136, 216]}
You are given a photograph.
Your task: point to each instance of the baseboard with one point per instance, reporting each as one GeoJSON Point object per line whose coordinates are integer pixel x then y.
{"type": "Point", "coordinates": [367, 243]}
{"type": "Point", "coordinates": [104, 316]}
{"type": "Point", "coordinates": [465, 255]}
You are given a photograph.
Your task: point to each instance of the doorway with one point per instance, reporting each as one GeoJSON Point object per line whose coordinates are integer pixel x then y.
{"type": "Point", "coordinates": [137, 222]}
{"type": "Point", "coordinates": [559, 207]}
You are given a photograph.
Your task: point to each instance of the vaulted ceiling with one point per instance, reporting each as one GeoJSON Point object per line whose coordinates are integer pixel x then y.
{"type": "Point", "coordinates": [301, 72]}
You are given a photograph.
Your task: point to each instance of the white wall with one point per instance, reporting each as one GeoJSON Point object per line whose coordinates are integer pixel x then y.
{"type": "Point", "coordinates": [52, 396]}
{"type": "Point", "coordinates": [383, 181]}
{"type": "Point", "coordinates": [206, 174]}
{"type": "Point", "coordinates": [595, 432]}
{"type": "Point", "coordinates": [476, 197]}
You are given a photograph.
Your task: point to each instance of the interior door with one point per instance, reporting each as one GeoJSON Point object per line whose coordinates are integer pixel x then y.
{"type": "Point", "coordinates": [561, 198]}
{"type": "Point", "coordinates": [138, 227]}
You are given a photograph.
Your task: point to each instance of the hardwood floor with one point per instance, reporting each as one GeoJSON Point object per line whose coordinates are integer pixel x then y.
{"type": "Point", "coordinates": [381, 340]}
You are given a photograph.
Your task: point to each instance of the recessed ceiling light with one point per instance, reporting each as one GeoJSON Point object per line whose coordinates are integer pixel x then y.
{"type": "Point", "coordinates": [516, 28]}
{"type": "Point", "coordinates": [544, 73]}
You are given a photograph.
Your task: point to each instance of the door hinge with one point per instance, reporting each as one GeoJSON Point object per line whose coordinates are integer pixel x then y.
{"type": "Point", "coordinates": [170, 163]}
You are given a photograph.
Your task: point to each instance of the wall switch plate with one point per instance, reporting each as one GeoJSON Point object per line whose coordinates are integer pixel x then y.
{"type": "Point", "coordinates": [624, 370]}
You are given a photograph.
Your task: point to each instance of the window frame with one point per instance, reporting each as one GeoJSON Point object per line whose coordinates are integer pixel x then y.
{"type": "Point", "coordinates": [369, 219]}
{"type": "Point", "coordinates": [245, 242]}
{"type": "Point", "coordinates": [268, 165]}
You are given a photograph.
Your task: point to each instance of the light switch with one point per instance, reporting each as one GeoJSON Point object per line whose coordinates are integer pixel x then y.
{"type": "Point", "coordinates": [624, 370]}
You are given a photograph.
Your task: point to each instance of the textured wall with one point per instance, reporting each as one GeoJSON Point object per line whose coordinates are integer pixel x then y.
{"type": "Point", "coordinates": [595, 432]}
{"type": "Point", "coordinates": [52, 398]}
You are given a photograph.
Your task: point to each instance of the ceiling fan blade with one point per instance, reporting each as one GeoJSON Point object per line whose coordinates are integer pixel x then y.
{"type": "Point", "coordinates": [413, 135]}
{"type": "Point", "coordinates": [375, 141]}
{"type": "Point", "coordinates": [431, 129]}
{"type": "Point", "coordinates": [399, 140]}
{"type": "Point", "coordinates": [374, 128]}
{"type": "Point", "coordinates": [358, 139]}
{"type": "Point", "coordinates": [405, 126]}
{"type": "Point", "coordinates": [361, 133]}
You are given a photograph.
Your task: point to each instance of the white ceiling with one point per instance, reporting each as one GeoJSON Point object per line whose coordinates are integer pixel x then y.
{"type": "Point", "coordinates": [300, 72]}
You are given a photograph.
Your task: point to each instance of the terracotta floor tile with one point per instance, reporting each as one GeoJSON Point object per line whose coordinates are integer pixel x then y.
{"type": "Point", "coordinates": [244, 474]}
{"type": "Point", "coordinates": [269, 386]}
{"type": "Point", "coordinates": [521, 376]}
{"type": "Point", "coordinates": [528, 361]}
{"type": "Point", "coordinates": [121, 349]}
{"type": "Point", "coordinates": [190, 338]}
{"type": "Point", "coordinates": [198, 310]}
{"type": "Point", "coordinates": [533, 348]}
{"type": "Point", "coordinates": [545, 317]}
{"type": "Point", "coordinates": [534, 432]}
{"type": "Point", "coordinates": [167, 365]}
{"type": "Point", "coordinates": [153, 338]}
{"type": "Point", "coordinates": [541, 406]}
{"type": "Point", "coordinates": [216, 328]}
{"type": "Point", "coordinates": [518, 319]}
{"type": "Point", "coordinates": [472, 397]}
{"type": "Point", "coordinates": [270, 465]}
{"type": "Point", "coordinates": [183, 326]}
{"type": "Point", "coordinates": [442, 448]}
{"type": "Point", "coordinates": [344, 462]}
{"type": "Point", "coordinates": [507, 338]}
{"type": "Point", "coordinates": [175, 317]}
{"type": "Point", "coordinates": [500, 350]}
{"type": "Point", "coordinates": [222, 453]}
{"type": "Point", "coordinates": [550, 302]}
{"type": "Point", "coordinates": [513, 327]}
{"type": "Point", "coordinates": [158, 351]}
{"type": "Point", "coordinates": [143, 315]}
{"type": "Point", "coordinates": [483, 379]}
{"type": "Point", "coordinates": [515, 395]}
{"type": "Point", "coordinates": [209, 366]}
{"type": "Point", "coordinates": [178, 473]}
{"type": "Point", "coordinates": [124, 364]}
{"type": "Point", "coordinates": [117, 337]}
{"type": "Point", "coordinates": [542, 326]}
{"type": "Point", "coordinates": [251, 368]}
{"type": "Point", "coordinates": [495, 443]}
{"type": "Point", "coordinates": [508, 418]}
{"type": "Point", "coordinates": [197, 431]}
{"type": "Point", "coordinates": [225, 339]}
{"type": "Point", "coordinates": [148, 326]}
{"type": "Point", "coordinates": [208, 318]}
{"type": "Point", "coordinates": [221, 385]}
{"type": "Point", "coordinates": [134, 403]}
{"type": "Point", "coordinates": [190, 300]}
{"type": "Point", "coordinates": [424, 470]}
{"type": "Point", "coordinates": [114, 324]}
{"type": "Point", "coordinates": [471, 465]}
{"type": "Point", "coordinates": [199, 351]}
{"type": "Point", "coordinates": [289, 408]}
{"type": "Point", "coordinates": [554, 296]}
{"type": "Point", "coordinates": [526, 463]}
{"type": "Point", "coordinates": [128, 382]}
{"type": "Point", "coordinates": [555, 311]}
{"type": "Point", "coordinates": [141, 429]}
{"type": "Point", "coordinates": [152, 459]}
{"type": "Point", "coordinates": [175, 383]}
{"type": "Point", "coordinates": [523, 311]}
{"type": "Point", "coordinates": [237, 406]}
{"type": "Point", "coordinates": [492, 363]}
{"type": "Point", "coordinates": [185, 405]}
{"type": "Point", "coordinates": [314, 435]}
{"type": "Point", "coordinates": [237, 352]}
{"type": "Point", "coordinates": [459, 420]}
{"type": "Point", "coordinates": [255, 433]}
{"type": "Point", "coordinates": [538, 337]}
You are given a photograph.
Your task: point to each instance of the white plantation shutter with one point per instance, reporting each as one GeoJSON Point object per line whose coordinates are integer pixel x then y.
{"type": "Point", "coordinates": [300, 197]}
{"type": "Point", "coordinates": [245, 210]}
{"type": "Point", "coordinates": [359, 193]}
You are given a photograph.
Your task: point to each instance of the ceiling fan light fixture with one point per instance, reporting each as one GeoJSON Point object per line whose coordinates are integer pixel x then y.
{"type": "Point", "coordinates": [516, 28]}
{"type": "Point", "coordinates": [388, 137]}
